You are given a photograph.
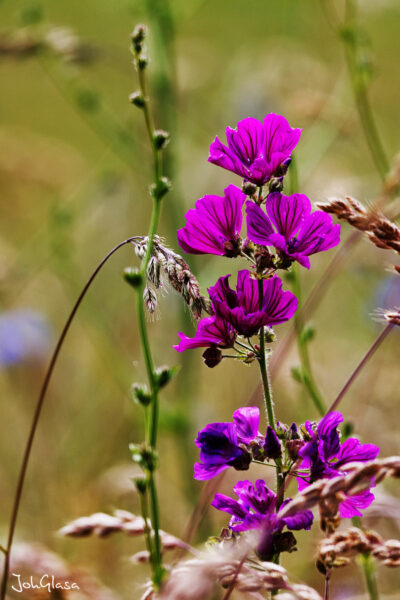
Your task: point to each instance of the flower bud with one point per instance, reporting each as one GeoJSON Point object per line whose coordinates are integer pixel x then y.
{"type": "Point", "coordinates": [161, 139]}
{"type": "Point", "coordinates": [133, 276]}
{"type": "Point", "coordinates": [307, 334]}
{"type": "Point", "coordinates": [164, 375]}
{"type": "Point", "coordinates": [272, 445]}
{"type": "Point", "coordinates": [144, 456]}
{"type": "Point", "coordinates": [141, 394]}
{"type": "Point", "coordinates": [293, 447]}
{"type": "Point", "coordinates": [242, 462]}
{"type": "Point", "coordinates": [212, 357]}
{"type": "Point", "coordinates": [249, 188]}
{"type": "Point", "coordinates": [159, 189]}
{"type": "Point", "coordinates": [137, 99]}
{"type": "Point", "coordinates": [140, 484]}
{"type": "Point", "coordinates": [142, 61]}
{"type": "Point", "coordinates": [138, 36]}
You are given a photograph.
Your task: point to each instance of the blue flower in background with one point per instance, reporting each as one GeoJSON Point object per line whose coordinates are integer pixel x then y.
{"type": "Point", "coordinates": [24, 334]}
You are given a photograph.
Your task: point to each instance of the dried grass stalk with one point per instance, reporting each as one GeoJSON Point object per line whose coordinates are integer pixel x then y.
{"type": "Point", "coordinates": [338, 549]}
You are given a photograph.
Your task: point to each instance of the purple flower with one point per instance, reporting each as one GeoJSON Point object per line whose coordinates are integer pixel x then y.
{"type": "Point", "coordinates": [242, 307]}
{"type": "Point", "coordinates": [213, 227]}
{"type": "Point", "coordinates": [291, 228]}
{"type": "Point", "coordinates": [324, 455]}
{"type": "Point", "coordinates": [24, 335]}
{"type": "Point", "coordinates": [256, 509]}
{"type": "Point", "coordinates": [211, 332]}
{"type": "Point", "coordinates": [223, 445]}
{"type": "Point", "coordinates": [256, 151]}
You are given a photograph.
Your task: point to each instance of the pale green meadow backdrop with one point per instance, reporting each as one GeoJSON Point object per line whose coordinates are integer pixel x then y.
{"type": "Point", "coordinates": [74, 172]}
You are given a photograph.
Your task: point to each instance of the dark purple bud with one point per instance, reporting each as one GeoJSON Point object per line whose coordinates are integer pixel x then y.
{"type": "Point", "coordinates": [284, 542]}
{"type": "Point", "coordinates": [264, 259]}
{"type": "Point", "coordinates": [212, 357]}
{"type": "Point", "coordinates": [247, 247]}
{"type": "Point", "coordinates": [275, 185]}
{"type": "Point", "coordinates": [293, 447]}
{"type": "Point", "coordinates": [242, 462]}
{"type": "Point", "coordinates": [249, 188]}
{"type": "Point", "coordinates": [293, 432]}
{"type": "Point", "coordinates": [272, 445]}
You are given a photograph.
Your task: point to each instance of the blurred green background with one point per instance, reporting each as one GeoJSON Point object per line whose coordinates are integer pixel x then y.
{"type": "Point", "coordinates": [74, 172]}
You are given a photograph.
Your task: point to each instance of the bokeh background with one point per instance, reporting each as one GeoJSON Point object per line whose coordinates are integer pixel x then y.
{"type": "Point", "coordinates": [74, 172]}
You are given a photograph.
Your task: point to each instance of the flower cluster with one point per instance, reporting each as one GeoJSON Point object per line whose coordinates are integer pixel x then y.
{"type": "Point", "coordinates": [325, 457]}
{"type": "Point", "coordinates": [257, 508]}
{"type": "Point", "coordinates": [287, 231]}
{"type": "Point", "coordinates": [316, 449]}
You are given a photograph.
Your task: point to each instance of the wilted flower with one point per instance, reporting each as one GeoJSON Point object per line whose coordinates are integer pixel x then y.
{"type": "Point", "coordinates": [325, 457]}
{"type": "Point", "coordinates": [213, 227]}
{"type": "Point", "coordinates": [223, 445]}
{"type": "Point", "coordinates": [241, 308]}
{"type": "Point", "coordinates": [291, 228]}
{"type": "Point", "coordinates": [256, 509]}
{"type": "Point", "coordinates": [256, 151]}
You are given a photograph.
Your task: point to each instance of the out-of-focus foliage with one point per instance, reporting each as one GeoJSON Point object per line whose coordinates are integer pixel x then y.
{"type": "Point", "coordinates": [74, 171]}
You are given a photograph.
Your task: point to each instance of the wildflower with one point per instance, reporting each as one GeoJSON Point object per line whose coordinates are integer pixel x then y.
{"type": "Point", "coordinates": [24, 335]}
{"type": "Point", "coordinates": [256, 509]}
{"type": "Point", "coordinates": [223, 445]}
{"type": "Point", "coordinates": [256, 151]}
{"type": "Point", "coordinates": [241, 308]}
{"type": "Point", "coordinates": [213, 227]}
{"type": "Point", "coordinates": [324, 457]}
{"type": "Point", "coordinates": [211, 332]}
{"type": "Point", "coordinates": [291, 228]}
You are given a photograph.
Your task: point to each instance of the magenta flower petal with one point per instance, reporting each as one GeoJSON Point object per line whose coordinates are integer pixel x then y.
{"type": "Point", "coordinates": [211, 331]}
{"type": "Point", "coordinates": [259, 228]}
{"type": "Point", "coordinates": [291, 228]}
{"type": "Point", "coordinates": [351, 507]}
{"type": "Point", "coordinates": [229, 505]}
{"type": "Point", "coordinates": [205, 472]}
{"type": "Point", "coordinates": [247, 420]}
{"type": "Point", "coordinates": [279, 136]}
{"type": "Point", "coordinates": [242, 307]}
{"type": "Point", "coordinates": [352, 450]}
{"type": "Point", "coordinates": [287, 213]}
{"type": "Point", "coordinates": [256, 151]}
{"type": "Point", "coordinates": [213, 227]}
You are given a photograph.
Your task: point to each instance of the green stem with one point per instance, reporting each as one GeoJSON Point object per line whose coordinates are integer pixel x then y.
{"type": "Point", "coordinates": [144, 501]}
{"type": "Point", "coordinates": [360, 89]}
{"type": "Point", "coordinates": [152, 430]}
{"type": "Point", "coordinates": [269, 405]}
{"type": "Point", "coordinates": [302, 345]}
{"type": "Point", "coordinates": [367, 567]}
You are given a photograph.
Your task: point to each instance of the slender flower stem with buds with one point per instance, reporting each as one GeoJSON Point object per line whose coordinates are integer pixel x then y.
{"type": "Point", "coordinates": [158, 189]}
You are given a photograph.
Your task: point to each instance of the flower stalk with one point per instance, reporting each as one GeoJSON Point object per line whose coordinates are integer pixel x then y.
{"type": "Point", "coordinates": [158, 189]}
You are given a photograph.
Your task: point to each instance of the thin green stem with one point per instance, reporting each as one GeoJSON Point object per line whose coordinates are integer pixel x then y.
{"type": "Point", "coordinates": [269, 405]}
{"type": "Point", "coordinates": [38, 411]}
{"type": "Point", "coordinates": [159, 571]}
{"type": "Point", "coordinates": [359, 84]}
{"type": "Point", "coordinates": [144, 501]}
{"type": "Point", "coordinates": [302, 345]}
{"type": "Point", "coordinates": [367, 566]}
{"type": "Point", "coordinates": [302, 342]}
